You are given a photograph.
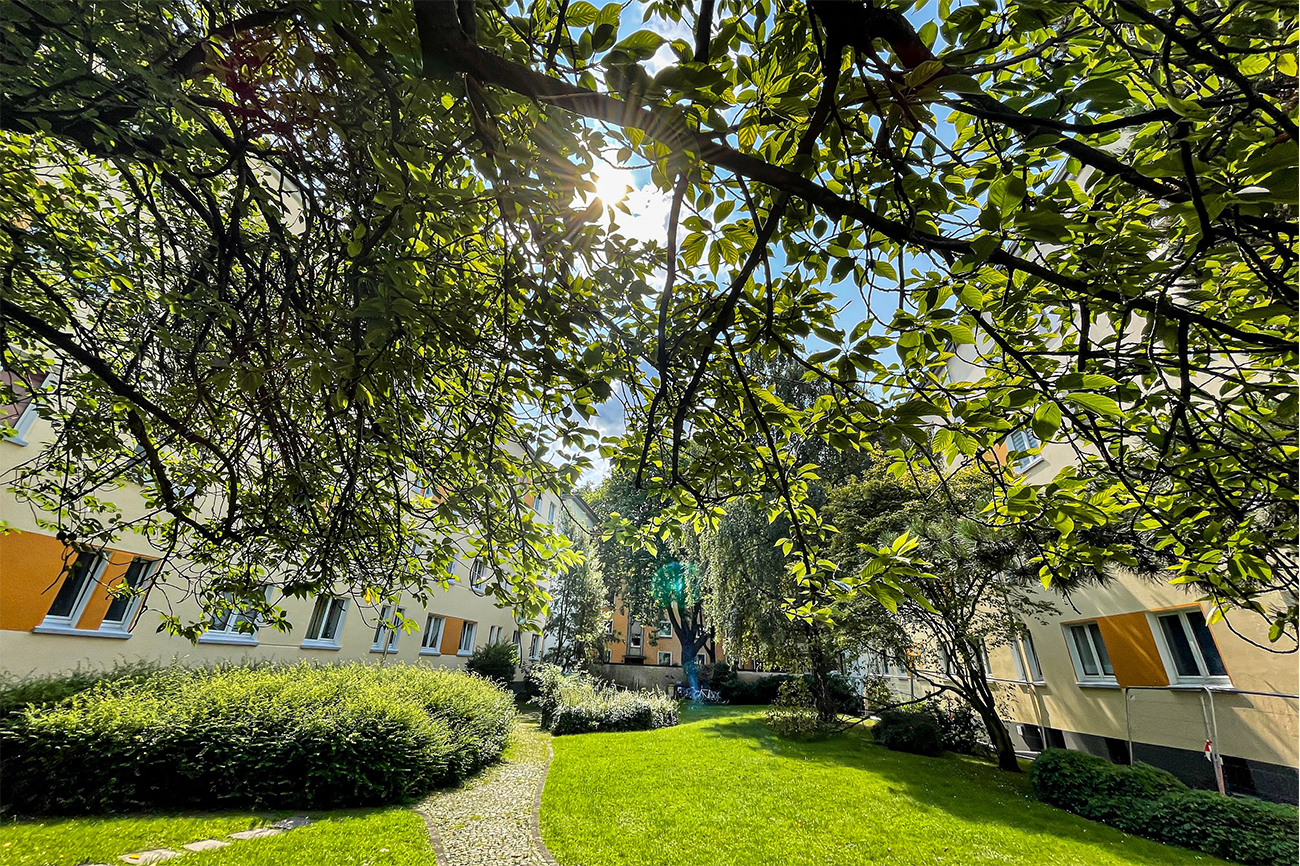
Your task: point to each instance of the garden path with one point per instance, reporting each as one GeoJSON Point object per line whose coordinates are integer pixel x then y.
{"type": "Point", "coordinates": [491, 820]}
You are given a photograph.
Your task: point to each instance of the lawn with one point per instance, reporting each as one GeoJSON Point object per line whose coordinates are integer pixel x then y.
{"type": "Point", "coordinates": [362, 837]}
{"type": "Point", "coordinates": [722, 789]}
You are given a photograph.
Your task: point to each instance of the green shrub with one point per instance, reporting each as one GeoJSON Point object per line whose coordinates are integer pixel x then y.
{"type": "Point", "coordinates": [495, 661]}
{"type": "Point", "coordinates": [300, 737]}
{"type": "Point", "coordinates": [907, 732]}
{"type": "Point", "coordinates": [18, 694]}
{"type": "Point", "coordinates": [793, 714]}
{"type": "Point", "coordinates": [1147, 801]}
{"type": "Point", "coordinates": [958, 726]}
{"type": "Point", "coordinates": [577, 704]}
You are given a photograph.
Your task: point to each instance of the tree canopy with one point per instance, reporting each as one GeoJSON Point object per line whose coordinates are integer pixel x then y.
{"type": "Point", "coordinates": [324, 275]}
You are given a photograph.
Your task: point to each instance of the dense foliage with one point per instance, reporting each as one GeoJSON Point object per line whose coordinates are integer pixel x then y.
{"type": "Point", "coordinates": [1146, 801]}
{"type": "Point", "coordinates": [958, 726]}
{"type": "Point", "coordinates": [316, 274]}
{"type": "Point", "coordinates": [302, 737]}
{"type": "Point", "coordinates": [908, 732]}
{"type": "Point", "coordinates": [762, 690]}
{"type": "Point", "coordinates": [494, 661]}
{"type": "Point", "coordinates": [793, 712]}
{"type": "Point", "coordinates": [19, 693]}
{"type": "Point", "coordinates": [575, 629]}
{"type": "Point", "coordinates": [575, 703]}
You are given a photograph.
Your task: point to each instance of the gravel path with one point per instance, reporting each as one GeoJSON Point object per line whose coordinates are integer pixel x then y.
{"type": "Point", "coordinates": [492, 819]}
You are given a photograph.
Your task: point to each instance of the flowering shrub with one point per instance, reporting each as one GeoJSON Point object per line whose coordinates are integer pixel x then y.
{"type": "Point", "coordinates": [577, 704]}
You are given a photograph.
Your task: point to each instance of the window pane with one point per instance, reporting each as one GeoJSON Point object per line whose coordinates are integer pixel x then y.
{"type": "Point", "coordinates": [65, 601]}
{"type": "Point", "coordinates": [1031, 656]}
{"type": "Point", "coordinates": [1179, 647]}
{"type": "Point", "coordinates": [134, 577]}
{"type": "Point", "coordinates": [333, 618]}
{"type": "Point", "coordinates": [1100, 645]}
{"type": "Point", "coordinates": [384, 614]}
{"type": "Point", "coordinates": [317, 618]}
{"type": "Point", "coordinates": [1083, 647]}
{"type": "Point", "coordinates": [1205, 642]}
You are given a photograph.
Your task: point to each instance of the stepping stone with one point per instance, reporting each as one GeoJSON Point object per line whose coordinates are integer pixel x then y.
{"type": "Point", "coordinates": [259, 833]}
{"type": "Point", "coordinates": [205, 845]}
{"type": "Point", "coordinates": [156, 855]}
{"type": "Point", "coordinates": [292, 823]}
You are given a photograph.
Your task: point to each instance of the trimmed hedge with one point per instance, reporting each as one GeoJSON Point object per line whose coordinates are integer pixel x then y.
{"type": "Point", "coordinates": [577, 704]}
{"type": "Point", "coordinates": [908, 732]}
{"type": "Point", "coordinates": [495, 661]}
{"type": "Point", "coordinates": [299, 737]}
{"type": "Point", "coordinates": [19, 694]}
{"type": "Point", "coordinates": [1147, 801]}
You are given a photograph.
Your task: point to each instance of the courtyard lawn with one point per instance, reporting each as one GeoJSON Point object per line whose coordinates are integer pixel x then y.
{"type": "Point", "coordinates": [363, 837]}
{"type": "Point", "coordinates": [722, 789]}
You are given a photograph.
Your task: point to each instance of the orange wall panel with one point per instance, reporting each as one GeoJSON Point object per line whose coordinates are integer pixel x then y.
{"type": "Point", "coordinates": [1132, 648]}
{"type": "Point", "coordinates": [97, 604]}
{"type": "Point", "coordinates": [31, 571]}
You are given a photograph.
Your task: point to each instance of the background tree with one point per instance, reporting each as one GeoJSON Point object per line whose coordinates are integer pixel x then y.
{"type": "Point", "coordinates": [654, 578]}
{"type": "Point", "coordinates": [975, 595]}
{"type": "Point", "coordinates": [354, 226]}
{"type": "Point", "coordinates": [576, 628]}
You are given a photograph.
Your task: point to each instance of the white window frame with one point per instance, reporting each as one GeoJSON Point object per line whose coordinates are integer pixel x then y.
{"type": "Point", "coordinates": [385, 640]}
{"type": "Point", "coordinates": [1023, 652]}
{"type": "Point", "coordinates": [478, 576]}
{"type": "Point", "coordinates": [1023, 440]}
{"type": "Point", "coordinates": [518, 641]}
{"type": "Point", "coordinates": [699, 660]}
{"type": "Point", "coordinates": [665, 658]}
{"type": "Point", "coordinates": [431, 642]}
{"type": "Point", "coordinates": [26, 418]}
{"type": "Point", "coordinates": [664, 629]}
{"type": "Point", "coordinates": [468, 629]}
{"type": "Point", "coordinates": [315, 641]}
{"type": "Point", "coordinates": [1167, 653]}
{"type": "Point", "coordinates": [534, 647]}
{"type": "Point", "coordinates": [636, 640]}
{"type": "Point", "coordinates": [550, 514]}
{"type": "Point", "coordinates": [51, 624]}
{"type": "Point", "coordinates": [229, 633]}
{"type": "Point", "coordinates": [1083, 678]}
{"type": "Point", "coordinates": [135, 602]}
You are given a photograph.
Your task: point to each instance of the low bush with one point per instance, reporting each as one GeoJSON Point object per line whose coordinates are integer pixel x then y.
{"type": "Point", "coordinates": [577, 704]}
{"type": "Point", "coordinates": [907, 732]}
{"type": "Point", "coordinates": [1147, 801]}
{"type": "Point", "coordinates": [763, 691]}
{"type": "Point", "coordinates": [18, 694]}
{"type": "Point", "coordinates": [495, 661]}
{"type": "Point", "coordinates": [300, 737]}
{"type": "Point", "coordinates": [958, 726]}
{"type": "Point", "coordinates": [793, 714]}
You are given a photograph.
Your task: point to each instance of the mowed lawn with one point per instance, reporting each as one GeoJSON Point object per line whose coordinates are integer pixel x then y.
{"type": "Point", "coordinates": [361, 837]}
{"type": "Point", "coordinates": [722, 789]}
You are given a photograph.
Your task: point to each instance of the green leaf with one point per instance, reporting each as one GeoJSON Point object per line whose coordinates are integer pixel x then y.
{"type": "Point", "coordinates": [1097, 404]}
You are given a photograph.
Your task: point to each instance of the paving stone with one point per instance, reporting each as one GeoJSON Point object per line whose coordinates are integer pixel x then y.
{"type": "Point", "coordinates": [259, 833]}
{"type": "Point", "coordinates": [205, 845]}
{"type": "Point", "coordinates": [155, 855]}
{"type": "Point", "coordinates": [292, 823]}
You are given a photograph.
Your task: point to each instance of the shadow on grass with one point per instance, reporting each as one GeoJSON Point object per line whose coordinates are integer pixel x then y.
{"type": "Point", "coordinates": [963, 788]}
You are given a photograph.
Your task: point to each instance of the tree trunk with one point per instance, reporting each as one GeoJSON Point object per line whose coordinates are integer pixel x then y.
{"type": "Point", "coordinates": [821, 683]}
{"type": "Point", "coordinates": [983, 703]}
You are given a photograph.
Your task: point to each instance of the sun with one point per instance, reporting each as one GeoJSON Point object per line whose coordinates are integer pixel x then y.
{"type": "Point", "coordinates": [612, 184]}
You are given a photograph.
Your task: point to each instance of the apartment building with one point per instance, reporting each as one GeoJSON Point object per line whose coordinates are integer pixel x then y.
{"type": "Point", "coordinates": [57, 612]}
{"type": "Point", "coordinates": [1135, 671]}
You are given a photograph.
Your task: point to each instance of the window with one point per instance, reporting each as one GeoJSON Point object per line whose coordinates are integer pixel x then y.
{"type": "Point", "coordinates": [550, 514]}
{"type": "Point", "coordinates": [325, 627]}
{"type": "Point", "coordinates": [386, 632]}
{"type": "Point", "coordinates": [1189, 649]}
{"type": "Point", "coordinates": [634, 639]}
{"type": "Point", "coordinates": [665, 628]}
{"type": "Point", "coordinates": [1024, 653]}
{"type": "Point", "coordinates": [1088, 650]}
{"type": "Point", "coordinates": [75, 590]}
{"type": "Point", "coordinates": [432, 640]}
{"type": "Point", "coordinates": [495, 633]}
{"type": "Point", "coordinates": [478, 576]}
{"type": "Point", "coordinates": [1020, 441]}
{"type": "Point", "coordinates": [609, 656]}
{"type": "Point", "coordinates": [123, 608]}
{"type": "Point", "coordinates": [518, 642]}
{"type": "Point", "coordinates": [534, 646]}
{"type": "Point", "coordinates": [609, 627]}
{"type": "Point", "coordinates": [665, 658]}
{"type": "Point", "coordinates": [699, 660]}
{"type": "Point", "coordinates": [887, 663]}
{"type": "Point", "coordinates": [21, 413]}
{"type": "Point", "coordinates": [467, 630]}
{"type": "Point", "coordinates": [231, 623]}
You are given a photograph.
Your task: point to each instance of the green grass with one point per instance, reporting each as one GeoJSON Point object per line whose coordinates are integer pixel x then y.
{"type": "Point", "coordinates": [722, 789]}
{"type": "Point", "coordinates": [361, 837]}
{"type": "Point", "coordinates": [66, 841]}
